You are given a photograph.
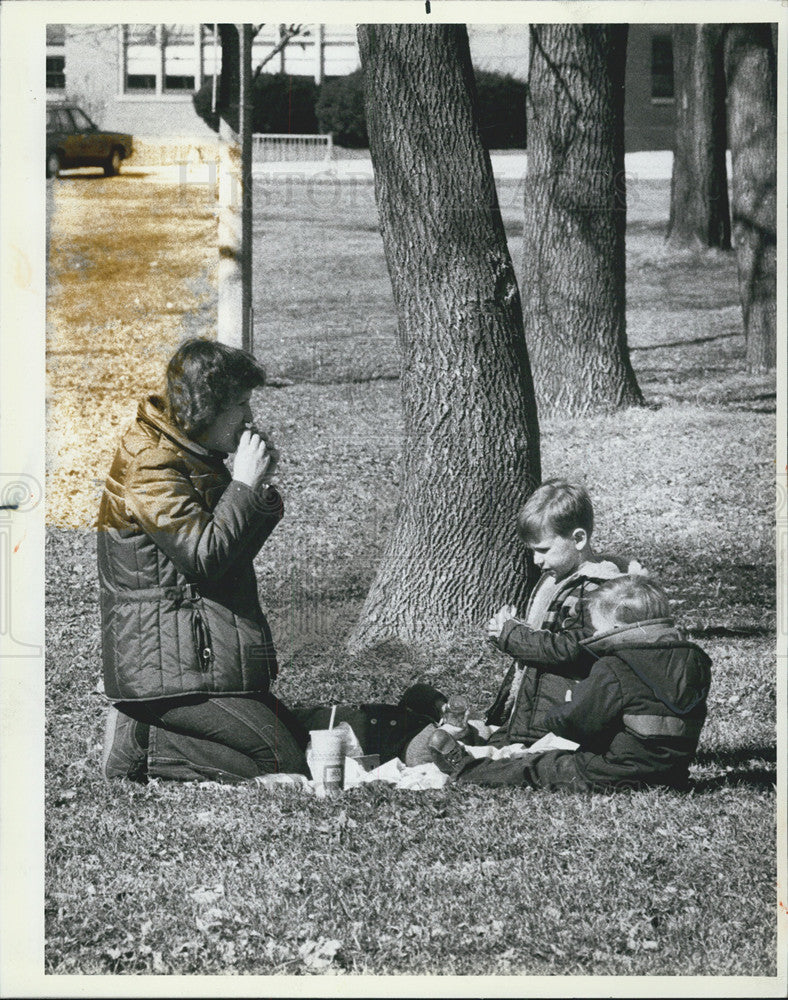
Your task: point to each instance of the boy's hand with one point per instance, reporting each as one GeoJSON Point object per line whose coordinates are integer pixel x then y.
{"type": "Point", "coordinates": [497, 622]}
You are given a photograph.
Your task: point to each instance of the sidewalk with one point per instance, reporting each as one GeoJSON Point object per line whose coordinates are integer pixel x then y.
{"type": "Point", "coordinates": [508, 169]}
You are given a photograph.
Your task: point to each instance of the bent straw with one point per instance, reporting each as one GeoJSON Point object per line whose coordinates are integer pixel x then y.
{"type": "Point", "coordinates": [333, 713]}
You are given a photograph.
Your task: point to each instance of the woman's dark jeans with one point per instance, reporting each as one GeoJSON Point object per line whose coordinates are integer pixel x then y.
{"type": "Point", "coordinates": [220, 738]}
{"type": "Point", "coordinates": [237, 738]}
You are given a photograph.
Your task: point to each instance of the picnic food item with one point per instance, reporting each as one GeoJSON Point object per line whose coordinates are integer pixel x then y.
{"type": "Point", "coordinates": [325, 758]}
{"type": "Point", "coordinates": [455, 712]}
{"type": "Point", "coordinates": [454, 720]}
{"type": "Point", "coordinates": [350, 744]}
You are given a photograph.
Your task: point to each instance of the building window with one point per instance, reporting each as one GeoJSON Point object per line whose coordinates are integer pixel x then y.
{"type": "Point", "coordinates": [163, 58]}
{"type": "Point", "coordinates": [56, 57]}
{"type": "Point", "coordinates": [142, 60]}
{"type": "Point", "coordinates": [181, 59]}
{"type": "Point", "coordinates": [661, 67]}
{"type": "Point", "coordinates": [56, 72]}
{"type": "Point", "coordinates": [178, 58]}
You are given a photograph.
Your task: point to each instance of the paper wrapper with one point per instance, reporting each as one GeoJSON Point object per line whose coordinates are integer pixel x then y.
{"type": "Point", "coordinates": [548, 742]}
{"type": "Point", "coordinates": [394, 772]}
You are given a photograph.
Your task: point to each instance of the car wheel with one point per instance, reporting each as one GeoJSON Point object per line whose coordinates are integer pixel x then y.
{"type": "Point", "coordinates": [53, 164]}
{"type": "Point", "coordinates": [112, 166]}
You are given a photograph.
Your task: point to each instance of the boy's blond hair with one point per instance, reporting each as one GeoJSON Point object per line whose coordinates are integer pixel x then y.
{"type": "Point", "coordinates": [628, 599]}
{"type": "Point", "coordinates": [557, 506]}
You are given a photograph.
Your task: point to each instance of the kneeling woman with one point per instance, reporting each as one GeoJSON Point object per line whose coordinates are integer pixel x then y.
{"type": "Point", "coordinates": [187, 652]}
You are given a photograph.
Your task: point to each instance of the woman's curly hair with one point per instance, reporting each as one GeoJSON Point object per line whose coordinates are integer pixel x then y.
{"type": "Point", "coordinates": [203, 377]}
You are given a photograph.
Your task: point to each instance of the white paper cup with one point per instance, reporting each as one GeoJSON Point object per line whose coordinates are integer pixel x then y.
{"type": "Point", "coordinates": [325, 760]}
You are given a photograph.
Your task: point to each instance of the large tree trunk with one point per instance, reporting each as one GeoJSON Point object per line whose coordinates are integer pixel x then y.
{"type": "Point", "coordinates": [751, 72]}
{"type": "Point", "coordinates": [470, 451]}
{"type": "Point", "coordinates": [699, 211]}
{"type": "Point", "coordinates": [575, 220]}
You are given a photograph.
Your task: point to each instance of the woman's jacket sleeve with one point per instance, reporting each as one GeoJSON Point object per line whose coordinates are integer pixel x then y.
{"type": "Point", "coordinates": [202, 543]}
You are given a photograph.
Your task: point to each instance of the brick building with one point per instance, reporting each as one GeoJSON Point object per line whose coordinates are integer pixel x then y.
{"type": "Point", "coordinates": [139, 78]}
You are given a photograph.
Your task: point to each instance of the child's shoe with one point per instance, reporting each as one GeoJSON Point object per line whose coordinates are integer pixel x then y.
{"type": "Point", "coordinates": [446, 752]}
{"type": "Point", "coordinates": [123, 755]}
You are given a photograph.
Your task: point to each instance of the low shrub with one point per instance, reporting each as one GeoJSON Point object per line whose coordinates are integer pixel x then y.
{"type": "Point", "coordinates": [202, 100]}
{"type": "Point", "coordinates": [501, 110]}
{"type": "Point", "coordinates": [280, 103]}
{"type": "Point", "coordinates": [283, 103]}
{"type": "Point", "coordinates": [340, 110]}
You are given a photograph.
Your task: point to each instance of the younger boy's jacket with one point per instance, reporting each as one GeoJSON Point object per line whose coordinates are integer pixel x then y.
{"type": "Point", "coordinates": [637, 718]}
{"type": "Point", "coordinates": [638, 714]}
{"type": "Point", "coordinates": [176, 538]}
{"type": "Point", "coordinates": [550, 659]}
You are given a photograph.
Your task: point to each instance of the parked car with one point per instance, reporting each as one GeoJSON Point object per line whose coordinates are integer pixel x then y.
{"type": "Point", "coordinates": [74, 141]}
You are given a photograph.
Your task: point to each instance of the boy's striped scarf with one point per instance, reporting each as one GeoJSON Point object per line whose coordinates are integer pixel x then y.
{"type": "Point", "coordinates": [565, 602]}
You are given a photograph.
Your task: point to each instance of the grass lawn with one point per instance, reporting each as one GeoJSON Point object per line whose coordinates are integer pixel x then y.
{"type": "Point", "coordinates": [211, 879]}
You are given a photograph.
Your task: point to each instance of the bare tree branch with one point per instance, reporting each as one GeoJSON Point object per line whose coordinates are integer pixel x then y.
{"type": "Point", "coordinates": [288, 33]}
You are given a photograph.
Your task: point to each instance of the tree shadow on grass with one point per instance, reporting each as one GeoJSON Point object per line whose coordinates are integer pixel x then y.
{"type": "Point", "coordinates": [680, 343]}
{"type": "Point", "coordinates": [737, 755]}
{"type": "Point", "coordinates": [732, 760]}
{"type": "Point", "coordinates": [756, 778]}
{"type": "Point", "coordinates": [753, 409]}
{"type": "Point", "coordinates": [725, 632]}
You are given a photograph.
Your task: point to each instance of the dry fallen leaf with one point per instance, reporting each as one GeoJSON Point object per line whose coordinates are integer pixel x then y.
{"type": "Point", "coordinates": [205, 895]}
{"type": "Point", "coordinates": [318, 955]}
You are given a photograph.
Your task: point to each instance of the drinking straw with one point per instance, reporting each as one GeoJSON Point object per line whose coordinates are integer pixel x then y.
{"type": "Point", "coordinates": [333, 713]}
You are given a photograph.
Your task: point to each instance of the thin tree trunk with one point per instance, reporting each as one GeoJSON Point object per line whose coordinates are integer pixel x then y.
{"type": "Point", "coordinates": [229, 279]}
{"type": "Point", "coordinates": [751, 73]}
{"type": "Point", "coordinates": [471, 446]}
{"type": "Point", "coordinates": [575, 220]}
{"type": "Point", "coordinates": [235, 189]}
{"type": "Point", "coordinates": [699, 211]}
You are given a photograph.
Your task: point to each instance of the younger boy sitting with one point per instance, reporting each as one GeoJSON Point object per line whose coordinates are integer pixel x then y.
{"type": "Point", "coordinates": [556, 523]}
{"type": "Point", "coordinates": [637, 716]}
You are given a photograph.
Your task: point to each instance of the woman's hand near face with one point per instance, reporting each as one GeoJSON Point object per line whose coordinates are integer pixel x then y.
{"type": "Point", "coordinates": [255, 460]}
{"type": "Point", "coordinates": [273, 455]}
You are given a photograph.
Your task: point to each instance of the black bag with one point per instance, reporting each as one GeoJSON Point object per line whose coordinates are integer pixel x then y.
{"type": "Point", "coordinates": [382, 729]}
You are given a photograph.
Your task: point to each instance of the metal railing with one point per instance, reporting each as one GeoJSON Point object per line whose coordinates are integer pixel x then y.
{"type": "Point", "coordinates": [271, 147]}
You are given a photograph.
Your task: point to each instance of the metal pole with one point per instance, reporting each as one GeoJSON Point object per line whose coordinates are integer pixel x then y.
{"type": "Point", "coordinates": [230, 317]}
{"type": "Point", "coordinates": [245, 135]}
{"type": "Point", "coordinates": [215, 61]}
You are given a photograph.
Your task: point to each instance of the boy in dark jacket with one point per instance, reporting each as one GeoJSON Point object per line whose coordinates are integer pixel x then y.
{"type": "Point", "coordinates": [556, 523]}
{"type": "Point", "coordinates": [637, 716]}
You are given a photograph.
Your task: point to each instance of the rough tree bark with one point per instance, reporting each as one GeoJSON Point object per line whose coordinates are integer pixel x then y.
{"type": "Point", "coordinates": [471, 446]}
{"type": "Point", "coordinates": [575, 220]}
{"type": "Point", "coordinates": [751, 74]}
{"type": "Point", "coordinates": [699, 210]}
